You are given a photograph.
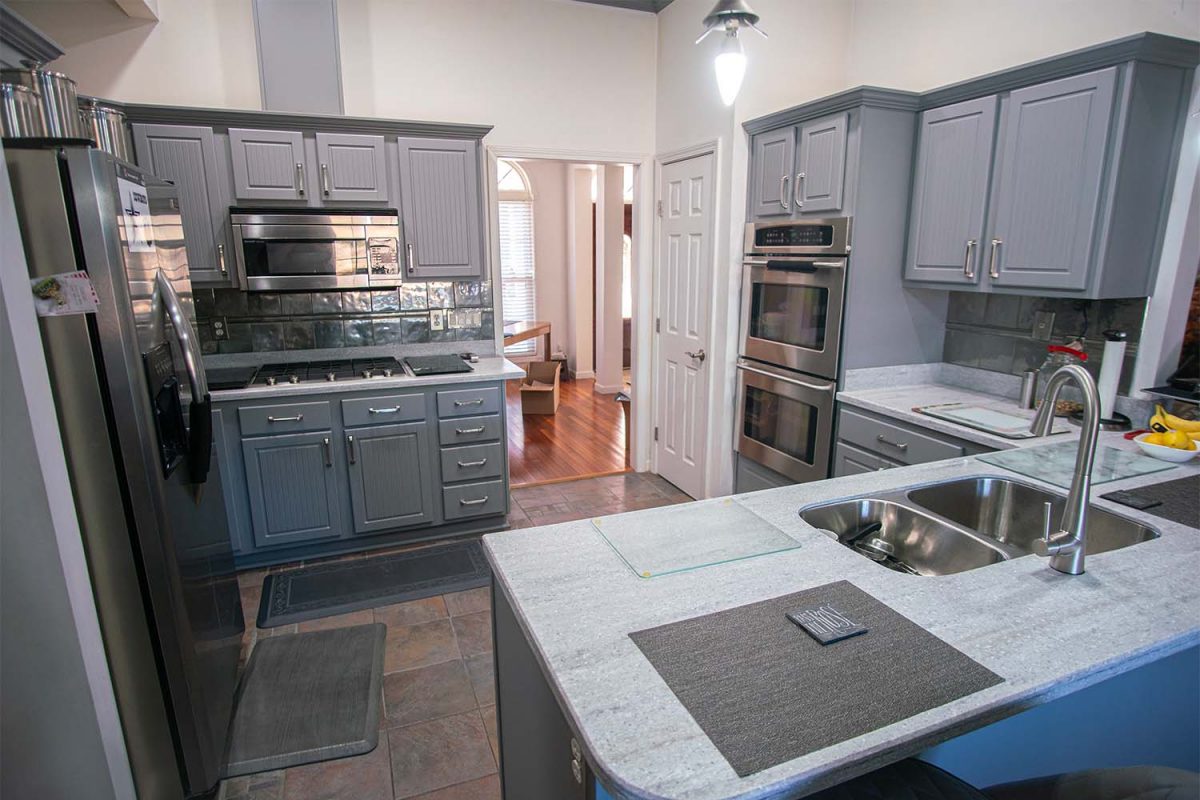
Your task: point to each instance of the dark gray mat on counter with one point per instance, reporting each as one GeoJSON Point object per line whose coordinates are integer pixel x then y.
{"type": "Point", "coordinates": [308, 697]}
{"type": "Point", "coordinates": [765, 692]}
{"type": "Point", "coordinates": [338, 587]}
{"type": "Point", "coordinates": [1180, 500]}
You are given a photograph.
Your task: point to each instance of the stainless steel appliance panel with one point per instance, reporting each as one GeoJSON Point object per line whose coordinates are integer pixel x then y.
{"type": "Point", "coordinates": [792, 313]}
{"type": "Point", "coordinates": [785, 420]}
{"type": "Point", "coordinates": [829, 236]}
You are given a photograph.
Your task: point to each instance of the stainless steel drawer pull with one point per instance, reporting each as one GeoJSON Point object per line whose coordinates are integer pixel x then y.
{"type": "Point", "coordinates": [350, 449]}
{"type": "Point", "coordinates": [299, 179]}
{"type": "Point", "coordinates": [901, 446]}
{"type": "Point", "coordinates": [391, 410]}
{"type": "Point", "coordinates": [328, 452]}
{"type": "Point", "coordinates": [968, 261]}
{"type": "Point", "coordinates": [325, 179]}
{"type": "Point", "coordinates": [296, 418]}
{"type": "Point", "coordinates": [478, 502]}
{"type": "Point", "coordinates": [479, 463]}
{"type": "Point", "coordinates": [469, 431]}
{"type": "Point", "coordinates": [478, 401]}
{"type": "Point", "coordinates": [993, 269]}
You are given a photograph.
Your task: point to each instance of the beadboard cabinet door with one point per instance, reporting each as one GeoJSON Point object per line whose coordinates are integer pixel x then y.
{"type": "Point", "coordinates": [772, 155]}
{"type": "Point", "coordinates": [292, 481]}
{"type": "Point", "coordinates": [352, 167]}
{"type": "Point", "coordinates": [950, 186]}
{"type": "Point", "coordinates": [390, 476]}
{"type": "Point", "coordinates": [268, 164]}
{"type": "Point", "coordinates": [441, 208]}
{"type": "Point", "coordinates": [1049, 174]}
{"type": "Point", "coordinates": [820, 166]}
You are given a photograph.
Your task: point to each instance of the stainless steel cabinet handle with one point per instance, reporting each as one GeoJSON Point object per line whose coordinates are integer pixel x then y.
{"type": "Point", "coordinates": [478, 401]}
{"type": "Point", "coordinates": [412, 268]}
{"type": "Point", "coordinates": [968, 261]}
{"type": "Point", "coordinates": [468, 431]}
{"type": "Point", "coordinates": [901, 446]}
{"type": "Point", "coordinates": [221, 258]}
{"type": "Point", "coordinates": [350, 449]}
{"type": "Point", "coordinates": [993, 269]}
{"type": "Point", "coordinates": [391, 410]}
{"type": "Point", "coordinates": [328, 452]}
{"type": "Point", "coordinates": [699, 355]}
{"type": "Point", "coordinates": [783, 191]}
{"type": "Point", "coordinates": [479, 463]}
{"type": "Point", "coordinates": [296, 418]}
{"type": "Point", "coordinates": [300, 179]}
{"type": "Point", "coordinates": [325, 179]}
{"type": "Point", "coordinates": [478, 502]}
{"type": "Point", "coordinates": [800, 176]}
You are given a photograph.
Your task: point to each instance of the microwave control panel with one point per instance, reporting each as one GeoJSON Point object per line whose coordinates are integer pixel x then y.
{"type": "Point", "coordinates": [383, 256]}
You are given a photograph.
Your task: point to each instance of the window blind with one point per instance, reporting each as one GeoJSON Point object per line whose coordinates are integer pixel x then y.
{"type": "Point", "coordinates": [516, 268]}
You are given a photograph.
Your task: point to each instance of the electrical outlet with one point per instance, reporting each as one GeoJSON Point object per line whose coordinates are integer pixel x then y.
{"type": "Point", "coordinates": [437, 320]}
{"type": "Point", "coordinates": [1043, 325]}
{"type": "Point", "coordinates": [220, 329]}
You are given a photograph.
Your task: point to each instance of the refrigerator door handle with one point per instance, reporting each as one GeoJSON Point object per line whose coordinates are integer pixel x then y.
{"type": "Point", "coordinates": [200, 411]}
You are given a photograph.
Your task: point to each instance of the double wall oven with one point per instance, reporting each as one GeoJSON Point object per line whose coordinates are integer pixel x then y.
{"type": "Point", "coordinates": [793, 298]}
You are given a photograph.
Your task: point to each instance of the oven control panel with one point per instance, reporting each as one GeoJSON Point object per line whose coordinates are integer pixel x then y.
{"type": "Point", "coordinates": [798, 235]}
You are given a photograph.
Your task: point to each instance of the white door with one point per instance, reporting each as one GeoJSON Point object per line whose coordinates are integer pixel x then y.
{"type": "Point", "coordinates": [683, 287]}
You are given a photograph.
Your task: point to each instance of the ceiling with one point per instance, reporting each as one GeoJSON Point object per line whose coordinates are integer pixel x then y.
{"type": "Point", "coordinates": [650, 6]}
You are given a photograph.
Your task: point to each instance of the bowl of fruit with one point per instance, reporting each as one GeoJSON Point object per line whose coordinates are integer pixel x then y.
{"type": "Point", "coordinates": [1171, 438]}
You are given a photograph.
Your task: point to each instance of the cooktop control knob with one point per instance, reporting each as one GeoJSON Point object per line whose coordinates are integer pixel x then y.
{"type": "Point", "coordinates": [271, 381]}
{"type": "Point", "coordinates": [387, 372]}
{"type": "Point", "coordinates": [293, 378]}
{"type": "Point", "coordinates": [331, 377]}
{"type": "Point", "coordinates": [366, 373]}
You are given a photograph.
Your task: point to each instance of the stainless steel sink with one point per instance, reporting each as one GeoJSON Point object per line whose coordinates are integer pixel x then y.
{"type": "Point", "coordinates": [1011, 512]}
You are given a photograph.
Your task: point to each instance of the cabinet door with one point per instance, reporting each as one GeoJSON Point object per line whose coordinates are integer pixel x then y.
{"type": "Point", "coordinates": [352, 167]}
{"type": "Point", "coordinates": [293, 487]}
{"type": "Point", "coordinates": [1049, 174]}
{"type": "Point", "coordinates": [954, 159]}
{"type": "Point", "coordinates": [390, 476]}
{"type": "Point", "coordinates": [821, 166]}
{"type": "Point", "coordinates": [186, 156]}
{"type": "Point", "coordinates": [442, 208]}
{"type": "Point", "coordinates": [268, 165]}
{"type": "Point", "coordinates": [849, 460]}
{"type": "Point", "coordinates": [772, 155]}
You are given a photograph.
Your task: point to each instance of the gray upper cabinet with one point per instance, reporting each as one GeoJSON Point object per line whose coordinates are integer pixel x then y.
{"type": "Point", "coordinates": [441, 209]}
{"type": "Point", "coordinates": [186, 156]}
{"type": "Point", "coordinates": [820, 166]}
{"type": "Point", "coordinates": [950, 187]}
{"type": "Point", "coordinates": [268, 164]}
{"type": "Point", "coordinates": [352, 167]}
{"type": "Point", "coordinates": [390, 478]}
{"type": "Point", "coordinates": [1047, 190]}
{"type": "Point", "coordinates": [293, 488]}
{"type": "Point", "coordinates": [772, 155]}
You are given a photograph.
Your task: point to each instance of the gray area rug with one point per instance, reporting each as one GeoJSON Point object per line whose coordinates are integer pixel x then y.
{"type": "Point", "coordinates": [766, 692]}
{"type": "Point", "coordinates": [338, 587]}
{"type": "Point", "coordinates": [1180, 500]}
{"type": "Point", "coordinates": [308, 697]}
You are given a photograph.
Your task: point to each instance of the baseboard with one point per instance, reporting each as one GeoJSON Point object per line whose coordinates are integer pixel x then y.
{"type": "Point", "coordinates": [600, 388]}
{"type": "Point", "coordinates": [584, 374]}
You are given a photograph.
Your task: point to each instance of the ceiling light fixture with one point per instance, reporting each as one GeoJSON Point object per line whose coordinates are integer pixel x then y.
{"type": "Point", "coordinates": [730, 64]}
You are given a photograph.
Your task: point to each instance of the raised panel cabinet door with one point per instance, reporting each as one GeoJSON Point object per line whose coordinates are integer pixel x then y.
{"type": "Point", "coordinates": [292, 482]}
{"type": "Point", "coordinates": [772, 155]}
{"type": "Point", "coordinates": [1049, 174]}
{"type": "Point", "coordinates": [954, 160]}
{"type": "Point", "coordinates": [268, 165]}
{"type": "Point", "coordinates": [390, 476]}
{"type": "Point", "coordinates": [352, 167]}
{"type": "Point", "coordinates": [186, 156]}
{"type": "Point", "coordinates": [820, 166]}
{"type": "Point", "coordinates": [442, 208]}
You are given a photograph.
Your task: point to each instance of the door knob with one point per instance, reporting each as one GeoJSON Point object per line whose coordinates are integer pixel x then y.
{"type": "Point", "coordinates": [698, 355]}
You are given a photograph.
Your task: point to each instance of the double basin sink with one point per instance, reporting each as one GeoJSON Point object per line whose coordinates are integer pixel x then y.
{"type": "Point", "coordinates": [959, 525]}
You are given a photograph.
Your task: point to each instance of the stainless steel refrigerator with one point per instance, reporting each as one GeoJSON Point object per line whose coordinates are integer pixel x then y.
{"type": "Point", "coordinates": [132, 403]}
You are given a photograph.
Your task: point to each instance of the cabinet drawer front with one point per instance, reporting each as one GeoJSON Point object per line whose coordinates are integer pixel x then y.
{"type": "Point", "coordinates": [474, 500]}
{"type": "Point", "coordinates": [463, 402]}
{"type": "Point", "coordinates": [466, 430]}
{"type": "Point", "coordinates": [892, 441]}
{"type": "Point", "coordinates": [383, 409]}
{"type": "Point", "coordinates": [849, 460]}
{"type": "Point", "coordinates": [472, 463]}
{"type": "Point", "coordinates": [288, 418]}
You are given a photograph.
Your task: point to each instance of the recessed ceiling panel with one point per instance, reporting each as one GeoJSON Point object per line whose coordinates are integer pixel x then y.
{"type": "Point", "coordinates": [649, 6]}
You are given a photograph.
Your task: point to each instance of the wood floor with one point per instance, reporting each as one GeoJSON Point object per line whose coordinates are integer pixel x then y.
{"type": "Point", "coordinates": [586, 437]}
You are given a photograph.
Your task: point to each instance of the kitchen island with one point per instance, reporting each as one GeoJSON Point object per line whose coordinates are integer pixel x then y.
{"type": "Point", "coordinates": [574, 602]}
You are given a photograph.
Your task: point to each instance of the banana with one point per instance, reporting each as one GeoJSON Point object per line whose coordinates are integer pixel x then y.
{"type": "Point", "coordinates": [1158, 421]}
{"type": "Point", "coordinates": [1178, 423]}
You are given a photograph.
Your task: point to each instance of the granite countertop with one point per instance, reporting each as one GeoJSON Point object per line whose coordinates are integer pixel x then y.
{"type": "Point", "coordinates": [577, 601]}
{"type": "Point", "coordinates": [488, 368]}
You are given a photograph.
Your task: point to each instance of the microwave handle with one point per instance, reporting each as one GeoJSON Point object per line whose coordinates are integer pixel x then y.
{"type": "Point", "coordinates": [790, 380]}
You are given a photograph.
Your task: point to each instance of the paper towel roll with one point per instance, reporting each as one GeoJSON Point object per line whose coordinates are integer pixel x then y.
{"type": "Point", "coordinates": [1110, 371]}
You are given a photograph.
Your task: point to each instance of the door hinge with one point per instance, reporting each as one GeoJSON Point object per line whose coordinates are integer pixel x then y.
{"type": "Point", "coordinates": [660, 208]}
{"type": "Point", "coordinates": [656, 433]}
{"type": "Point", "coordinates": [657, 325]}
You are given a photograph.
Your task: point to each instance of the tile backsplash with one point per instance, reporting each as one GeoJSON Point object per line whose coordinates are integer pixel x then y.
{"type": "Point", "coordinates": [415, 313]}
{"type": "Point", "coordinates": [997, 332]}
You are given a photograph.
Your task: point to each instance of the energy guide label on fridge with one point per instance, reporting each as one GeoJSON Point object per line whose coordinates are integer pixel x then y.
{"type": "Point", "coordinates": [135, 210]}
{"type": "Point", "coordinates": [64, 293]}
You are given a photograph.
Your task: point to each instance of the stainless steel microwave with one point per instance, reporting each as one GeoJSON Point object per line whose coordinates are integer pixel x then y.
{"type": "Point", "coordinates": [298, 249]}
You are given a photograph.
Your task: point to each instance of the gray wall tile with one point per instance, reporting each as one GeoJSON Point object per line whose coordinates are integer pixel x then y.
{"type": "Point", "coordinates": [441, 294]}
{"type": "Point", "coordinates": [298, 335]}
{"type": "Point", "coordinates": [266, 336]}
{"type": "Point", "coordinates": [327, 302]}
{"type": "Point", "coordinates": [414, 328]}
{"type": "Point", "coordinates": [385, 301]}
{"type": "Point", "coordinates": [328, 333]}
{"type": "Point", "coordinates": [264, 304]}
{"type": "Point", "coordinates": [296, 304]}
{"type": "Point", "coordinates": [357, 332]}
{"type": "Point", "coordinates": [386, 330]}
{"type": "Point", "coordinates": [413, 297]}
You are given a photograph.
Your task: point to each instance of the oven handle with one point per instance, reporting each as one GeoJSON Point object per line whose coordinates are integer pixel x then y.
{"type": "Point", "coordinates": [794, 381]}
{"type": "Point", "coordinates": [798, 261]}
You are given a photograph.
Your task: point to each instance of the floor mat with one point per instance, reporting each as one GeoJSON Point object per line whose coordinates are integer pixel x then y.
{"type": "Point", "coordinates": [308, 697]}
{"type": "Point", "coordinates": [338, 587]}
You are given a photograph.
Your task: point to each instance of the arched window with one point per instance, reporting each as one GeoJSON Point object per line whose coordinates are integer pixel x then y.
{"type": "Point", "coordinates": [516, 249]}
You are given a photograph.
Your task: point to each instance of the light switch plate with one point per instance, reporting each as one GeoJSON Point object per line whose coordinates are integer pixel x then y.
{"type": "Point", "coordinates": [1043, 325]}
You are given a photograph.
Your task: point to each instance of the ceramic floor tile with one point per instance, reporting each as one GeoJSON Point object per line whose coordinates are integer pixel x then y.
{"type": "Point", "coordinates": [410, 646]}
{"type": "Point", "coordinates": [426, 693]}
{"type": "Point", "coordinates": [474, 633]}
{"type": "Point", "coordinates": [364, 617]}
{"type": "Point", "coordinates": [263, 786]}
{"type": "Point", "coordinates": [438, 754]}
{"type": "Point", "coordinates": [253, 577]}
{"type": "Point", "coordinates": [469, 602]}
{"type": "Point", "coordinates": [482, 671]}
{"type": "Point", "coordinates": [483, 789]}
{"type": "Point", "coordinates": [489, 725]}
{"type": "Point", "coordinates": [414, 612]}
{"type": "Point", "coordinates": [365, 777]}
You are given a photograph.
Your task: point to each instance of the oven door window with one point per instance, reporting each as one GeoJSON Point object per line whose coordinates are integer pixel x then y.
{"type": "Point", "coordinates": [789, 314]}
{"type": "Point", "coordinates": [276, 258]}
{"type": "Point", "coordinates": [781, 423]}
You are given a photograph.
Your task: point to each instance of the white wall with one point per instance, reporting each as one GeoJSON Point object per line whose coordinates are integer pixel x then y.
{"type": "Point", "coordinates": [548, 183]}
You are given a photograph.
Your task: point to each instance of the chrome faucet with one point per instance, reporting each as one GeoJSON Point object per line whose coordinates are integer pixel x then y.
{"type": "Point", "coordinates": [1065, 547]}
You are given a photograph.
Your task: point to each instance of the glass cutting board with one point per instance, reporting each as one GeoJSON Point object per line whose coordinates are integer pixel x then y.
{"type": "Point", "coordinates": [1055, 463]}
{"type": "Point", "coordinates": [673, 539]}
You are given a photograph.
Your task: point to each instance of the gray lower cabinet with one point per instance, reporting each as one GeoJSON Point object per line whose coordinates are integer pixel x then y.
{"type": "Point", "coordinates": [352, 167]}
{"type": "Point", "coordinates": [292, 483]}
{"type": "Point", "coordinates": [850, 460]}
{"type": "Point", "coordinates": [268, 164]}
{"type": "Point", "coordinates": [186, 155]}
{"type": "Point", "coordinates": [868, 442]}
{"type": "Point", "coordinates": [442, 208]}
{"type": "Point", "coordinates": [390, 481]}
